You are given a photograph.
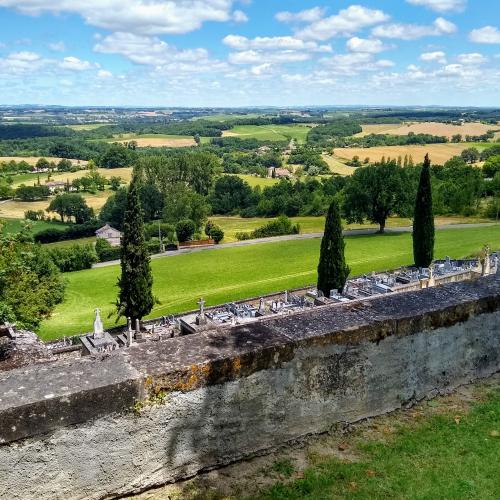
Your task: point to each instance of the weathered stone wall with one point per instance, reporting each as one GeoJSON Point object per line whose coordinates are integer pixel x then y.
{"type": "Point", "coordinates": [69, 430]}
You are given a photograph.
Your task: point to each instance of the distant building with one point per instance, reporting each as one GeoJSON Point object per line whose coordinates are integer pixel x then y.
{"type": "Point", "coordinates": [279, 172]}
{"type": "Point", "coordinates": [110, 234]}
{"type": "Point", "coordinates": [56, 186]}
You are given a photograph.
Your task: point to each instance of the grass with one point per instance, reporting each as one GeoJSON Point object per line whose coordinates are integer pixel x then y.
{"type": "Point", "coordinates": [125, 173]}
{"type": "Point", "coordinates": [12, 226]}
{"type": "Point", "coordinates": [258, 181]}
{"type": "Point", "coordinates": [336, 166]}
{"type": "Point", "coordinates": [270, 132]}
{"type": "Point", "coordinates": [236, 273]}
{"type": "Point", "coordinates": [452, 455]}
{"type": "Point", "coordinates": [310, 224]}
{"type": "Point", "coordinates": [439, 153]}
{"type": "Point", "coordinates": [70, 243]}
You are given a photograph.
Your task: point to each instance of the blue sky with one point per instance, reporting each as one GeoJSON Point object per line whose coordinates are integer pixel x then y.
{"type": "Point", "coordinates": [250, 52]}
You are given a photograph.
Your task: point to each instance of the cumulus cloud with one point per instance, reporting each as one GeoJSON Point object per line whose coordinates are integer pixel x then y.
{"type": "Point", "coordinates": [472, 59]}
{"type": "Point", "coordinates": [304, 16]}
{"type": "Point", "coordinates": [239, 16]}
{"type": "Point", "coordinates": [136, 16]}
{"type": "Point", "coordinates": [372, 45]}
{"type": "Point", "coordinates": [21, 62]}
{"type": "Point", "coordinates": [102, 73]}
{"type": "Point", "coordinates": [487, 34]}
{"type": "Point", "coordinates": [147, 50]}
{"type": "Point", "coordinates": [257, 56]}
{"type": "Point", "coordinates": [440, 26]}
{"type": "Point", "coordinates": [346, 22]}
{"type": "Point", "coordinates": [74, 64]}
{"type": "Point", "coordinates": [238, 42]}
{"type": "Point", "coordinates": [438, 56]}
{"type": "Point", "coordinates": [441, 5]}
{"type": "Point", "coordinates": [354, 63]}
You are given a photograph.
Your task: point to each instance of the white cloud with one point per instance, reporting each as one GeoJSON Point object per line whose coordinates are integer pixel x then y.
{"type": "Point", "coordinates": [102, 73]}
{"type": "Point", "coordinates": [354, 63]}
{"type": "Point", "coordinates": [438, 56]}
{"type": "Point", "coordinates": [257, 56]}
{"type": "Point", "coordinates": [472, 59]}
{"type": "Point", "coordinates": [304, 16]}
{"type": "Point", "coordinates": [21, 62]}
{"type": "Point", "coordinates": [486, 34]}
{"type": "Point", "coordinates": [135, 16]}
{"type": "Point", "coordinates": [439, 27]}
{"type": "Point", "coordinates": [239, 16]}
{"type": "Point", "coordinates": [147, 50]}
{"type": "Point", "coordinates": [372, 46]}
{"type": "Point", "coordinates": [441, 5]}
{"type": "Point", "coordinates": [262, 69]}
{"type": "Point", "coordinates": [238, 42]}
{"type": "Point", "coordinates": [74, 64]}
{"type": "Point", "coordinates": [58, 46]}
{"type": "Point", "coordinates": [346, 22]}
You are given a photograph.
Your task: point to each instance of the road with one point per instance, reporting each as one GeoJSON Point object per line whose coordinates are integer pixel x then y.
{"type": "Point", "coordinates": [291, 237]}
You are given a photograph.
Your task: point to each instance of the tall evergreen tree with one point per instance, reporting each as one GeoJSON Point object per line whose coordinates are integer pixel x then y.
{"type": "Point", "coordinates": [332, 268]}
{"type": "Point", "coordinates": [423, 219]}
{"type": "Point", "coordinates": [135, 298]}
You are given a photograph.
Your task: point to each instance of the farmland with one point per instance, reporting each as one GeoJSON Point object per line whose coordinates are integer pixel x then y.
{"type": "Point", "coordinates": [31, 160]}
{"type": "Point", "coordinates": [269, 132]}
{"type": "Point", "coordinates": [156, 140]}
{"type": "Point", "coordinates": [433, 128]}
{"type": "Point", "coordinates": [245, 271]}
{"type": "Point", "coordinates": [439, 153]}
{"type": "Point", "coordinates": [336, 166]}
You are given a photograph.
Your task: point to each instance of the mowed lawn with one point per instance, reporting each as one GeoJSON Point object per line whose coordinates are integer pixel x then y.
{"type": "Point", "coordinates": [269, 132]}
{"type": "Point", "coordinates": [236, 273]}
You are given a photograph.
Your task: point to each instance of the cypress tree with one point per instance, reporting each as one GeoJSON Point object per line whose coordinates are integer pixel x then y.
{"type": "Point", "coordinates": [135, 298]}
{"type": "Point", "coordinates": [423, 219]}
{"type": "Point", "coordinates": [332, 268]}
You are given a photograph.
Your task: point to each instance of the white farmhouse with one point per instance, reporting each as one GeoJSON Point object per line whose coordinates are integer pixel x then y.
{"type": "Point", "coordinates": [110, 234]}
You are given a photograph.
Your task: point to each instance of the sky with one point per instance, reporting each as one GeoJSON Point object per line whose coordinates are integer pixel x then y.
{"type": "Point", "coordinates": [235, 53]}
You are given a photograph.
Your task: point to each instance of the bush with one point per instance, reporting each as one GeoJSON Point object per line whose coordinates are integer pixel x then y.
{"type": "Point", "coordinates": [281, 226]}
{"type": "Point", "coordinates": [73, 232]}
{"type": "Point", "coordinates": [34, 215]}
{"type": "Point", "coordinates": [217, 234]}
{"type": "Point", "coordinates": [105, 251]}
{"type": "Point", "coordinates": [209, 226]}
{"type": "Point", "coordinates": [185, 230]}
{"type": "Point", "coordinates": [167, 231]}
{"type": "Point", "coordinates": [74, 258]}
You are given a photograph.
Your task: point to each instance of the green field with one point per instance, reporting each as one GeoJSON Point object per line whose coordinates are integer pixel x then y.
{"type": "Point", "coordinates": [258, 181]}
{"type": "Point", "coordinates": [270, 132]}
{"type": "Point", "coordinates": [11, 226]}
{"type": "Point", "coordinates": [450, 454]}
{"type": "Point", "coordinates": [239, 272]}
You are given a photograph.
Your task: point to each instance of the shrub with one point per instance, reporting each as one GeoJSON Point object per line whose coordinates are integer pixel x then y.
{"type": "Point", "coordinates": [74, 258]}
{"type": "Point", "coordinates": [185, 230]}
{"type": "Point", "coordinates": [105, 251]}
{"type": "Point", "coordinates": [209, 226]}
{"type": "Point", "coordinates": [73, 232]}
{"type": "Point", "coordinates": [281, 226]}
{"type": "Point", "coordinates": [217, 234]}
{"type": "Point", "coordinates": [167, 231]}
{"type": "Point", "coordinates": [34, 215]}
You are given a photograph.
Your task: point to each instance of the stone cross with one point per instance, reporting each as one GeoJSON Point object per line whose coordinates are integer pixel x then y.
{"type": "Point", "coordinates": [98, 326]}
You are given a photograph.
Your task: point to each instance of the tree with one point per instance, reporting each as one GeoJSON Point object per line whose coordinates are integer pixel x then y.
{"type": "Point", "coordinates": [30, 284]}
{"type": "Point", "coordinates": [423, 219]}
{"type": "Point", "coordinates": [185, 230]}
{"type": "Point", "coordinates": [332, 268]}
{"type": "Point", "coordinates": [31, 193]}
{"type": "Point", "coordinates": [456, 138]}
{"type": "Point", "coordinates": [374, 193]}
{"type": "Point", "coordinates": [135, 299]}
{"type": "Point", "coordinates": [113, 210]}
{"type": "Point", "coordinates": [231, 194]}
{"type": "Point", "coordinates": [470, 155]}
{"type": "Point", "coordinates": [117, 156]}
{"type": "Point", "coordinates": [491, 166]}
{"type": "Point", "coordinates": [64, 165]}
{"type": "Point", "coordinates": [69, 205]}
{"type": "Point", "coordinates": [115, 183]}
{"type": "Point", "coordinates": [42, 164]}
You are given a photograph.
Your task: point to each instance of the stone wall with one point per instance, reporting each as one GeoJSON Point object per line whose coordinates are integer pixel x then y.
{"type": "Point", "coordinates": [158, 412]}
